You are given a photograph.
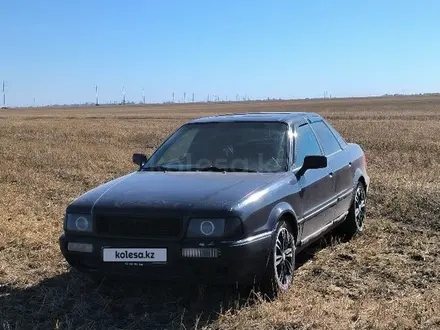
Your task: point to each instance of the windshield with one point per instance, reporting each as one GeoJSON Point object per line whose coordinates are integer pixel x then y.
{"type": "Point", "coordinates": [228, 146]}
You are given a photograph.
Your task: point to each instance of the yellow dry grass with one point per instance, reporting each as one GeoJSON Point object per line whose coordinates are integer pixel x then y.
{"type": "Point", "coordinates": [388, 278]}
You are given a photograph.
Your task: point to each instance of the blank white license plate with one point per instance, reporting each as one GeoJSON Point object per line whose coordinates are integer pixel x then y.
{"type": "Point", "coordinates": [134, 255]}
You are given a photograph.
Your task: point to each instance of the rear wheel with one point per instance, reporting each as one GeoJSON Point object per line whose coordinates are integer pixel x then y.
{"type": "Point", "coordinates": [354, 224]}
{"type": "Point", "coordinates": [279, 272]}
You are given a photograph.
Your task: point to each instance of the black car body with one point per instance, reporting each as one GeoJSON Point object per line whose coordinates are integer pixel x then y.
{"type": "Point", "coordinates": [140, 223]}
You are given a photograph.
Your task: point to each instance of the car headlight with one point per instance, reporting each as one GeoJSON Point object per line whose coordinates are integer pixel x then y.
{"type": "Point", "coordinates": [78, 222]}
{"type": "Point", "coordinates": [211, 228]}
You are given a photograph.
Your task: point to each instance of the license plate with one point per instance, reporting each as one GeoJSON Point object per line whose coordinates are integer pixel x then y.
{"type": "Point", "coordinates": [134, 255]}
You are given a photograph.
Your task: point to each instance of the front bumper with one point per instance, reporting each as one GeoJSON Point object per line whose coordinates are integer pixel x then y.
{"type": "Point", "coordinates": [245, 262]}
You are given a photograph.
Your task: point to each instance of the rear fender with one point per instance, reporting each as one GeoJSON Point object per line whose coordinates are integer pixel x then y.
{"type": "Point", "coordinates": [358, 174]}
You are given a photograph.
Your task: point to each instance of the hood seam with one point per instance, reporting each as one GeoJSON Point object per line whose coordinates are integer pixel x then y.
{"type": "Point", "coordinates": [98, 199]}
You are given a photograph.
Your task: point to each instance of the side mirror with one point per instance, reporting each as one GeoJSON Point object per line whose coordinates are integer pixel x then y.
{"type": "Point", "coordinates": [312, 162]}
{"type": "Point", "coordinates": [139, 159]}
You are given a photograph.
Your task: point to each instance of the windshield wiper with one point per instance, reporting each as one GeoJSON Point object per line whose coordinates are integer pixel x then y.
{"type": "Point", "coordinates": [161, 167]}
{"type": "Point", "coordinates": [157, 168]}
{"type": "Point", "coordinates": [201, 169]}
{"type": "Point", "coordinates": [223, 169]}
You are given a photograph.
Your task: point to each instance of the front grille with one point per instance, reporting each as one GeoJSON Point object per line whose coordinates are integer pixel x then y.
{"type": "Point", "coordinates": [137, 226]}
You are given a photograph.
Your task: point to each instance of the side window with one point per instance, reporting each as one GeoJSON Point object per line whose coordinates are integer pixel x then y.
{"type": "Point", "coordinates": [306, 144]}
{"type": "Point", "coordinates": [338, 136]}
{"type": "Point", "coordinates": [326, 137]}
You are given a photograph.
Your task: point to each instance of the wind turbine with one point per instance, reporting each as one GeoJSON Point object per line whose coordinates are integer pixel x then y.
{"type": "Point", "coordinates": [4, 95]}
{"type": "Point", "coordinates": [97, 99]}
{"type": "Point", "coordinates": [123, 95]}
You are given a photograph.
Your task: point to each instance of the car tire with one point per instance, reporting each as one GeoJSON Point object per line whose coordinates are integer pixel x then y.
{"type": "Point", "coordinates": [354, 223]}
{"type": "Point", "coordinates": [281, 266]}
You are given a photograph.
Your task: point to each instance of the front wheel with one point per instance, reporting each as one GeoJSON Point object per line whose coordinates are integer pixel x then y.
{"type": "Point", "coordinates": [279, 273]}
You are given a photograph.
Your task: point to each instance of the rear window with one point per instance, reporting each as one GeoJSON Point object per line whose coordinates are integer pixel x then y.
{"type": "Point", "coordinates": [326, 138]}
{"type": "Point", "coordinates": [338, 136]}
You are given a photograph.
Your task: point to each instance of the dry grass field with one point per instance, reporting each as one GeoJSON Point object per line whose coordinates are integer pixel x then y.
{"type": "Point", "coordinates": [389, 278]}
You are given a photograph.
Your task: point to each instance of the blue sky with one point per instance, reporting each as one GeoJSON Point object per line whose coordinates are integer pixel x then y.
{"type": "Point", "coordinates": [56, 51]}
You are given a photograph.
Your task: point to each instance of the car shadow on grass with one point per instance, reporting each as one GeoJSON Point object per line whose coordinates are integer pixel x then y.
{"type": "Point", "coordinates": [71, 301]}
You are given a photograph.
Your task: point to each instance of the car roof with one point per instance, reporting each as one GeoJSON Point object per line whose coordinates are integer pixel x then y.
{"type": "Point", "coordinates": [285, 117]}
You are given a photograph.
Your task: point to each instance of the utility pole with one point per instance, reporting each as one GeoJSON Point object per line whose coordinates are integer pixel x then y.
{"type": "Point", "coordinates": [143, 96]}
{"type": "Point", "coordinates": [173, 97]}
{"type": "Point", "coordinates": [207, 99]}
{"type": "Point", "coordinates": [193, 98]}
{"type": "Point", "coordinates": [184, 97]}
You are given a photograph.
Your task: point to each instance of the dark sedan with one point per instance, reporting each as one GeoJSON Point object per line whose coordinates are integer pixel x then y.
{"type": "Point", "coordinates": [229, 199]}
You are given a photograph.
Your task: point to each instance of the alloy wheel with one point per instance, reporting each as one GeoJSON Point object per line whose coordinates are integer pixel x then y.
{"type": "Point", "coordinates": [359, 206]}
{"type": "Point", "coordinates": [284, 257]}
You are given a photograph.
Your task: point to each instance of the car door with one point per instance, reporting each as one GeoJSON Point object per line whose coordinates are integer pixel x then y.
{"type": "Point", "coordinates": [344, 176]}
{"type": "Point", "coordinates": [316, 185]}
{"type": "Point", "coordinates": [336, 159]}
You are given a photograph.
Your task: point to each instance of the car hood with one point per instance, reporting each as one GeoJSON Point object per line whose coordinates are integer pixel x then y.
{"type": "Point", "coordinates": [172, 191]}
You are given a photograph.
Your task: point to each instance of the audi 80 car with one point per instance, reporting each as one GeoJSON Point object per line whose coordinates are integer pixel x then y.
{"type": "Point", "coordinates": [229, 198]}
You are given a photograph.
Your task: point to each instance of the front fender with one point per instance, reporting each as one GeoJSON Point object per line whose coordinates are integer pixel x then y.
{"type": "Point", "coordinates": [278, 211]}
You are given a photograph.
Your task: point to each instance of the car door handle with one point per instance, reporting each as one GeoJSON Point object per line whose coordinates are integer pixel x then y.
{"type": "Point", "coordinates": [330, 174]}
{"type": "Point", "coordinates": [349, 164]}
